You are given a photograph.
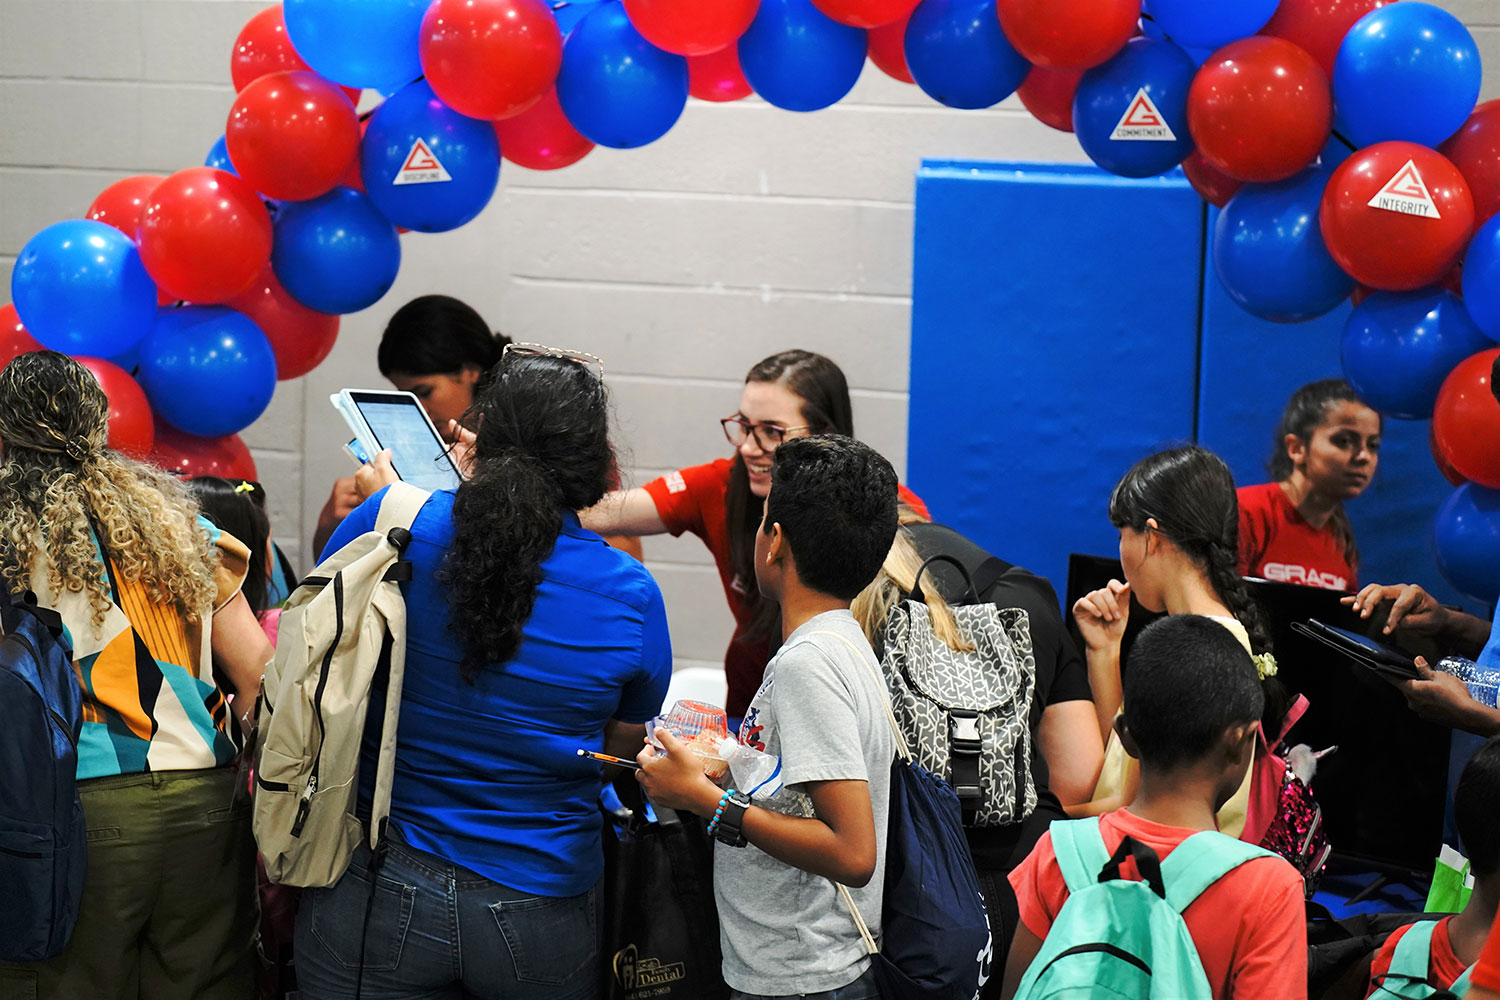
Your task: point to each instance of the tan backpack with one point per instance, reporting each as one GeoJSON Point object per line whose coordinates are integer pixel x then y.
{"type": "Point", "coordinates": [338, 626]}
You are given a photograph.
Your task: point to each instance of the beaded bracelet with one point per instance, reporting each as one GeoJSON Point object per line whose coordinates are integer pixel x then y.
{"type": "Point", "coordinates": [719, 812]}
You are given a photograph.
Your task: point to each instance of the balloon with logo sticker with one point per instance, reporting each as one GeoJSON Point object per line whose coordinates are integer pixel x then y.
{"type": "Point", "coordinates": [207, 370]}
{"type": "Point", "coordinates": [1466, 536]}
{"type": "Point", "coordinates": [1130, 113]}
{"type": "Point", "coordinates": [80, 288]}
{"type": "Point", "coordinates": [800, 59]}
{"type": "Point", "coordinates": [1397, 216]}
{"type": "Point", "coordinates": [1269, 255]}
{"type": "Point", "coordinates": [1407, 71]}
{"type": "Point", "coordinates": [337, 253]}
{"type": "Point", "coordinates": [959, 55]}
{"type": "Point", "coordinates": [1398, 347]}
{"type": "Point", "coordinates": [616, 88]}
{"type": "Point", "coordinates": [425, 166]}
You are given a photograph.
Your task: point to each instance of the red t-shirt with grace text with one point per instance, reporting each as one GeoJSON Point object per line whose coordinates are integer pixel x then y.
{"type": "Point", "coordinates": [1276, 543]}
{"type": "Point", "coordinates": [694, 500]}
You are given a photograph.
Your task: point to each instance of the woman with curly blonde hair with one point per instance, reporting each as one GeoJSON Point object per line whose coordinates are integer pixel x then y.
{"type": "Point", "coordinates": [149, 593]}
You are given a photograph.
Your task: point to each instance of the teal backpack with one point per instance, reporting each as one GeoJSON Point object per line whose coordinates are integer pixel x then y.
{"type": "Point", "coordinates": [1124, 939]}
{"type": "Point", "coordinates": [1406, 979]}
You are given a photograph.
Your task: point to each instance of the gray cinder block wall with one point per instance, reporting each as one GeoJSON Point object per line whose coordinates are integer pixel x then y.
{"type": "Point", "coordinates": [744, 231]}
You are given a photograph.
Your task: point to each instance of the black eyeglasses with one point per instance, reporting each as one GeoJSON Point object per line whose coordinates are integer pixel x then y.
{"type": "Point", "coordinates": [768, 436]}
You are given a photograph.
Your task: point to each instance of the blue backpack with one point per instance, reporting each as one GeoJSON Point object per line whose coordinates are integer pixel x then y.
{"type": "Point", "coordinates": [936, 942]}
{"type": "Point", "coordinates": [42, 834]}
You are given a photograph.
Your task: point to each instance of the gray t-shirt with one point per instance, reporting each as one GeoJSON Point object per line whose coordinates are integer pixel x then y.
{"type": "Point", "coordinates": [783, 930]}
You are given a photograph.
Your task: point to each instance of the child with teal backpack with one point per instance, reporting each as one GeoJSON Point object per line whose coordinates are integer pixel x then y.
{"type": "Point", "coordinates": [1151, 902]}
{"type": "Point", "coordinates": [1431, 959]}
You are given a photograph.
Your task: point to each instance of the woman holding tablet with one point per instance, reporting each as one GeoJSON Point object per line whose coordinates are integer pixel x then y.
{"type": "Point", "coordinates": [1294, 529]}
{"type": "Point", "coordinates": [528, 639]}
{"type": "Point", "coordinates": [791, 394]}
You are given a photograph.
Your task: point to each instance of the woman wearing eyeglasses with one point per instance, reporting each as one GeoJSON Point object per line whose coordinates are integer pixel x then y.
{"type": "Point", "coordinates": [528, 639]}
{"type": "Point", "coordinates": [791, 394]}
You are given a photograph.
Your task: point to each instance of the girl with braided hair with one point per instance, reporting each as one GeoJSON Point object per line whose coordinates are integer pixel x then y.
{"type": "Point", "coordinates": [1179, 525]}
{"type": "Point", "coordinates": [150, 595]}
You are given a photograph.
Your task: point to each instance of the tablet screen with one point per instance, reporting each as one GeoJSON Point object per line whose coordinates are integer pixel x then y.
{"type": "Point", "coordinates": [1379, 649]}
{"type": "Point", "coordinates": [416, 452]}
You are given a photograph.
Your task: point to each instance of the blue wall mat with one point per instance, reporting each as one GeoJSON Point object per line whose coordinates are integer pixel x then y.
{"type": "Point", "coordinates": [1054, 342]}
{"type": "Point", "coordinates": [1056, 339]}
{"type": "Point", "coordinates": [1249, 369]}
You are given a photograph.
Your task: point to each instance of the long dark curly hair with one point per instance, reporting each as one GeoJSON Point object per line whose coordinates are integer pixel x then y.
{"type": "Point", "coordinates": [542, 447]}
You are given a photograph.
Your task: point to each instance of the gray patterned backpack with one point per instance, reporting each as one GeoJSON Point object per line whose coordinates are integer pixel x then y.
{"type": "Point", "coordinates": [967, 715]}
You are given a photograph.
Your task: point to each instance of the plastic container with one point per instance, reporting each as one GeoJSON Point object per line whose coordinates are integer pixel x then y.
{"type": "Point", "coordinates": [702, 727]}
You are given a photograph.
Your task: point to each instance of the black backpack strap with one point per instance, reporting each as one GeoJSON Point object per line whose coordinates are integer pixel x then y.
{"type": "Point", "coordinates": [1147, 862]}
{"type": "Point", "coordinates": [970, 596]}
{"type": "Point", "coordinates": [987, 575]}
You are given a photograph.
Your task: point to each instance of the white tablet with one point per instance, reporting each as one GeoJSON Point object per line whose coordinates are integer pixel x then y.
{"type": "Point", "coordinates": [384, 418]}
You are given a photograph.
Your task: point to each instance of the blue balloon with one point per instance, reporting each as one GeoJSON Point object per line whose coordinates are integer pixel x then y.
{"type": "Point", "coordinates": [800, 59]}
{"type": "Point", "coordinates": [425, 166]}
{"type": "Point", "coordinates": [1481, 278]}
{"type": "Point", "coordinates": [218, 157]}
{"type": "Point", "coordinates": [359, 43]}
{"type": "Point", "coordinates": [1207, 24]}
{"type": "Point", "coordinates": [1269, 253]}
{"type": "Point", "coordinates": [207, 370]}
{"type": "Point", "coordinates": [569, 12]}
{"type": "Point", "coordinates": [79, 287]}
{"type": "Point", "coordinates": [959, 56]}
{"type": "Point", "coordinates": [616, 88]}
{"type": "Point", "coordinates": [336, 253]}
{"type": "Point", "coordinates": [1398, 347]}
{"type": "Point", "coordinates": [1130, 113]}
{"type": "Point", "coordinates": [1467, 533]}
{"type": "Point", "coordinates": [1406, 71]}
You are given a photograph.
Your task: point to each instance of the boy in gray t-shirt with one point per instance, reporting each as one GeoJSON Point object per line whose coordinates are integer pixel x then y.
{"type": "Point", "coordinates": [829, 521]}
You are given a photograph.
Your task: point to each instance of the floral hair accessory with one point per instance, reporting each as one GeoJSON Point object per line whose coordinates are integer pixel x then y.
{"type": "Point", "coordinates": [1265, 665]}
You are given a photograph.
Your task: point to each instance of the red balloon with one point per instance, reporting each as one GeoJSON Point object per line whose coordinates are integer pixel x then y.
{"type": "Point", "coordinates": [1048, 95]}
{"type": "Point", "coordinates": [1444, 466]}
{"type": "Point", "coordinates": [185, 455]}
{"type": "Point", "coordinates": [1069, 34]}
{"type": "Point", "coordinates": [204, 235]}
{"type": "Point", "coordinates": [131, 426]}
{"type": "Point", "coordinates": [692, 27]}
{"type": "Point", "coordinates": [1260, 109]}
{"type": "Point", "coordinates": [716, 77]}
{"type": "Point", "coordinates": [1466, 421]}
{"type": "Point", "coordinates": [292, 135]}
{"type": "Point", "coordinates": [14, 339]}
{"type": "Point", "coordinates": [542, 138]}
{"type": "Point", "coordinates": [1396, 216]}
{"type": "Point", "coordinates": [491, 58]}
{"type": "Point", "coordinates": [1318, 26]}
{"type": "Point", "coordinates": [120, 205]}
{"type": "Point", "coordinates": [888, 49]}
{"type": "Point", "coordinates": [1475, 151]}
{"type": "Point", "coordinates": [866, 13]}
{"type": "Point", "coordinates": [1213, 184]}
{"type": "Point", "coordinates": [300, 338]}
{"type": "Point", "coordinates": [263, 47]}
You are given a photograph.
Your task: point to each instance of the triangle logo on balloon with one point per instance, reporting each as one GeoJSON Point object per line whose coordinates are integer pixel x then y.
{"type": "Point", "coordinates": [1406, 193]}
{"type": "Point", "coordinates": [421, 167]}
{"type": "Point", "coordinates": [1143, 121]}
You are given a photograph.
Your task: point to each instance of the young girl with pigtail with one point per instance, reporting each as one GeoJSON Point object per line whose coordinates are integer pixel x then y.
{"type": "Point", "coordinates": [1179, 526]}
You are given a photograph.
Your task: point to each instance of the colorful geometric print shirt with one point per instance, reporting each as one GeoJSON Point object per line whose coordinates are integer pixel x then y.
{"type": "Point", "coordinates": [149, 698]}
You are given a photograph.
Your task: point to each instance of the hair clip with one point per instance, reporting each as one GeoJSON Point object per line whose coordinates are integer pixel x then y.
{"type": "Point", "coordinates": [245, 486]}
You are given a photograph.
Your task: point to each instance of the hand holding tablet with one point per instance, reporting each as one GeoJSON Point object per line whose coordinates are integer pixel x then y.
{"type": "Point", "coordinates": [384, 420]}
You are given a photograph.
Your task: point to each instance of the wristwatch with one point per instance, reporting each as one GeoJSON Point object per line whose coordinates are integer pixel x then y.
{"type": "Point", "coordinates": [727, 830]}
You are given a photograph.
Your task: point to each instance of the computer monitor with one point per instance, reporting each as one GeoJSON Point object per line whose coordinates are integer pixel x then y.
{"type": "Point", "coordinates": [1383, 792]}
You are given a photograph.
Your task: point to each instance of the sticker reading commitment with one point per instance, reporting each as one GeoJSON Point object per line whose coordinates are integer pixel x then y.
{"type": "Point", "coordinates": [1143, 121]}
{"type": "Point", "coordinates": [421, 166]}
{"type": "Point", "coordinates": [1406, 193]}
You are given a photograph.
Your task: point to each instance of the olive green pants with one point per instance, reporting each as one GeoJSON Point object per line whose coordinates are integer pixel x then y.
{"type": "Point", "coordinates": [169, 903]}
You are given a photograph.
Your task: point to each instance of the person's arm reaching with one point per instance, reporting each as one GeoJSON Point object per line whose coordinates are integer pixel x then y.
{"type": "Point", "coordinates": [1416, 612]}
{"type": "Point", "coordinates": [624, 512]}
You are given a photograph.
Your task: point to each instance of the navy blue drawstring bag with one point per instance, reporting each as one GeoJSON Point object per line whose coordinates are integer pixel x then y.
{"type": "Point", "coordinates": [936, 933]}
{"type": "Point", "coordinates": [42, 845]}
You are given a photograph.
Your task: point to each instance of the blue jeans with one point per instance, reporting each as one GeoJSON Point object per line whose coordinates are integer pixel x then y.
{"type": "Point", "coordinates": [863, 988]}
{"type": "Point", "coordinates": [440, 931]}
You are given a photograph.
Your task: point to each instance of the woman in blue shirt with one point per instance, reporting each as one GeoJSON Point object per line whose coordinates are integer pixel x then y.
{"type": "Point", "coordinates": [527, 638]}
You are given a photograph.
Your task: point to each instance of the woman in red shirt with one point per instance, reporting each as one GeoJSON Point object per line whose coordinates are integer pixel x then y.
{"type": "Point", "coordinates": [1294, 529]}
{"type": "Point", "coordinates": [791, 394]}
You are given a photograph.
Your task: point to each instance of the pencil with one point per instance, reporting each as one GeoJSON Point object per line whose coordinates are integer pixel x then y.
{"type": "Point", "coordinates": [617, 761]}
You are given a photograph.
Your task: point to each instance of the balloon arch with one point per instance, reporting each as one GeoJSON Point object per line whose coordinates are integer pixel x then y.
{"type": "Point", "coordinates": [1339, 137]}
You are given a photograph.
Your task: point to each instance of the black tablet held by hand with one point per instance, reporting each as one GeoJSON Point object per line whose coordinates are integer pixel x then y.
{"type": "Point", "coordinates": [1387, 661]}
